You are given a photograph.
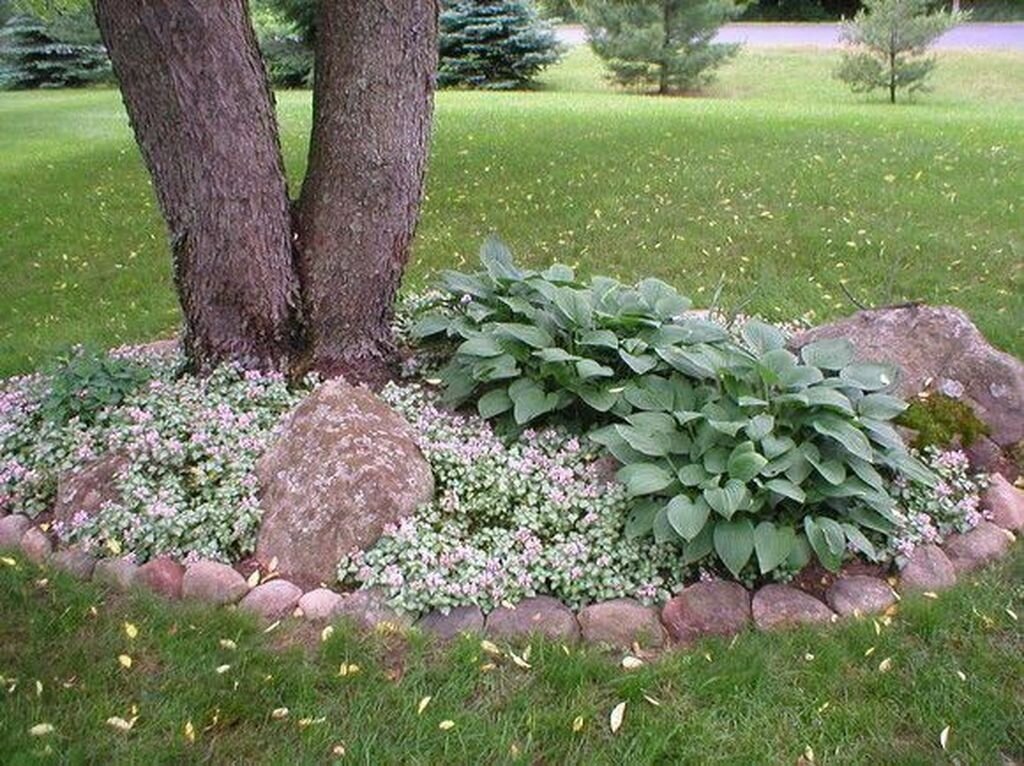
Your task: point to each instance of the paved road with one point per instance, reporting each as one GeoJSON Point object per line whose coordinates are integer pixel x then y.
{"type": "Point", "coordinates": [1008, 35]}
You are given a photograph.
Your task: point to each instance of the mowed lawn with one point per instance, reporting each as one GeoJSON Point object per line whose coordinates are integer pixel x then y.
{"type": "Point", "coordinates": [776, 180]}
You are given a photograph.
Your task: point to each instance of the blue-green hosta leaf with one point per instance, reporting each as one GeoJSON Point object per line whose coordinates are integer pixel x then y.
{"type": "Point", "coordinates": [871, 519]}
{"type": "Point", "coordinates": [910, 467]}
{"type": "Point", "coordinates": [638, 363]}
{"type": "Point", "coordinates": [602, 338]}
{"type": "Point", "coordinates": [751, 401]}
{"type": "Point", "coordinates": [555, 355]}
{"type": "Point", "coordinates": [465, 284]}
{"type": "Point", "coordinates": [835, 538]}
{"type": "Point", "coordinates": [431, 324]}
{"type": "Point", "coordinates": [882, 433]}
{"type": "Point", "coordinates": [576, 306]}
{"type": "Point", "coordinates": [494, 403]}
{"type": "Point", "coordinates": [760, 426]}
{"type": "Point", "coordinates": [762, 337]}
{"type": "Point", "coordinates": [653, 421]}
{"type": "Point", "coordinates": [800, 555]}
{"type": "Point", "coordinates": [588, 368]}
{"type": "Point", "coordinates": [820, 544]}
{"type": "Point", "coordinates": [692, 363]}
{"type": "Point", "coordinates": [828, 397]}
{"type": "Point", "coordinates": [778, 361]}
{"type": "Point", "coordinates": [700, 546]}
{"type": "Point", "coordinates": [786, 488]}
{"type": "Point", "coordinates": [644, 478]}
{"type": "Point", "coordinates": [530, 400]}
{"type": "Point", "coordinates": [478, 312]}
{"type": "Point", "coordinates": [531, 335]}
{"type": "Point", "coordinates": [616, 445]}
{"type": "Point", "coordinates": [654, 444]}
{"type": "Point", "coordinates": [728, 427]}
{"type": "Point", "coordinates": [859, 541]}
{"type": "Point", "coordinates": [519, 306]}
{"type": "Point", "coordinates": [598, 397]}
{"type": "Point", "coordinates": [772, 446]}
{"type": "Point", "coordinates": [800, 377]}
{"type": "Point", "coordinates": [773, 545]}
{"type": "Point", "coordinates": [703, 331]}
{"type": "Point", "coordinates": [849, 436]}
{"type": "Point", "coordinates": [725, 501]}
{"type": "Point", "coordinates": [745, 464]}
{"type": "Point", "coordinates": [715, 460]}
{"type": "Point", "coordinates": [495, 368]}
{"type": "Point", "coordinates": [640, 520]}
{"type": "Point", "coordinates": [687, 516]}
{"type": "Point", "coordinates": [734, 543]}
{"type": "Point", "coordinates": [558, 272]}
{"type": "Point", "coordinates": [686, 416]}
{"type": "Point", "coordinates": [866, 472]}
{"type": "Point", "coordinates": [870, 376]}
{"type": "Point", "coordinates": [497, 260]}
{"type": "Point", "coordinates": [880, 406]}
{"type": "Point", "coordinates": [662, 297]}
{"type": "Point", "coordinates": [831, 354]}
{"type": "Point", "coordinates": [692, 475]}
{"type": "Point", "coordinates": [481, 345]}
{"type": "Point", "coordinates": [663, 530]}
{"type": "Point", "coordinates": [650, 393]}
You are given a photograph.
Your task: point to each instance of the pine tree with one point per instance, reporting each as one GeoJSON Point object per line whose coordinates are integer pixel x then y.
{"type": "Point", "coordinates": [33, 56]}
{"type": "Point", "coordinates": [890, 39]}
{"type": "Point", "coordinates": [664, 43]}
{"type": "Point", "coordinates": [497, 45]}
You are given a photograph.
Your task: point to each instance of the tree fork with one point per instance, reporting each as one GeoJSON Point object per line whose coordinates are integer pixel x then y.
{"type": "Point", "coordinates": [196, 93]}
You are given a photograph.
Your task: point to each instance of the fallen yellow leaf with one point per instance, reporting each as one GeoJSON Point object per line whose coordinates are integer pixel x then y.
{"type": "Point", "coordinates": [124, 660]}
{"type": "Point", "coordinates": [616, 717]}
{"type": "Point", "coordinates": [577, 723]}
{"type": "Point", "coordinates": [41, 729]}
{"type": "Point", "coordinates": [885, 665]}
{"type": "Point", "coordinates": [190, 732]}
{"type": "Point", "coordinates": [116, 722]}
{"type": "Point", "coordinates": [944, 738]}
{"type": "Point", "coordinates": [446, 725]}
{"type": "Point", "coordinates": [227, 643]}
{"type": "Point", "coordinates": [423, 705]}
{"type": "Point", "coordinates": [630, 662]}
{"type": "Point", "coordinates": [278, 713]}
{"type": "Point", "coordinates": [490, 648]}
{"type": "Point", "coordinates": [130, 630]}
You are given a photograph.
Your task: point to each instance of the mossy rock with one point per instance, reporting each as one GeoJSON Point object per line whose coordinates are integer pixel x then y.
{"type": "Point", "coordinates": [942, 421]}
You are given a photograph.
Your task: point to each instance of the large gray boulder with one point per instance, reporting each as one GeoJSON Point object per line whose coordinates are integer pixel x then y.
{"type": "Point", "coordinates": [343, 466]}
{"type": "Point", "coordinates": [938, 346]}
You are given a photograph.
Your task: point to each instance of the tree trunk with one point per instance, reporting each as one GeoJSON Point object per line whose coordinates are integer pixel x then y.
{"type": "Point", "coordinates": [196, 93]}
{"type": "Point", "coordinates": [372, 103]}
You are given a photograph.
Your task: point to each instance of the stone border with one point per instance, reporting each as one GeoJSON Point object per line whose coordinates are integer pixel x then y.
{"type": "Point", "coordinates": [713, 608]}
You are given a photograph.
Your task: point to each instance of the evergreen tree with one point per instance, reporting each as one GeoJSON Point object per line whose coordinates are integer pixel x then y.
{"type": "Point", "coordinates": [496, 44]}
{"type": "Point", "coordinates": [890, 39]}
{"type": "Point", "coordinates": [664, 43]}
{"type": "Point", "coordinates": [32, 55]}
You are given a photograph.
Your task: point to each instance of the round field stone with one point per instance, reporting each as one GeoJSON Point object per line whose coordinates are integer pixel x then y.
{"type": "Point", "coordinates": [36, 545]}
{"type": "Point", "coordinates": [12, 529]}
{"type": "Point", "coordinates": [459, 621]}
{"type": "Point", "coordinates": [715, 608]}
{"type": "Point", "coordinates": [856, 595]}
{"type": "Point", "coordinates": [319, 604]}
{"type": "Point", "coordinates": [621, 622]}
{"type": "Point", "coordinates": [1006, 503]}
{"type": "Point", "coordinates": [213, 582]}
{"type": "Point", "coordinates": [982, 545]}
{"type": "Point", "coordinates": [927, 569]}
{"type": "Point", "coordinates": [115, 573]}
{"type": "Point", "coordinates": [163, 576]}
{"type": "Point", "coordinates": [272, 600]}
{"type": "Point", "coordinates": [540, 615]}
{"type": "Point", "coordinates": [368, 609]}
{"type": "Point", "coordinates": [780, 606]}
{"type": "Point", "coordinates": [75, 561]}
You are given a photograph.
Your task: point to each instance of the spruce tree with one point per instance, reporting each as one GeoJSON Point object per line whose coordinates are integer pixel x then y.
{"type": "Point", "coordinates": [667, 44]}
{"type": "Point", "coordinates": [497, 45]}
{"type": "Point", "coordinates": [33, 56]}
{"type": "Point", "coordinates": [889, 41]}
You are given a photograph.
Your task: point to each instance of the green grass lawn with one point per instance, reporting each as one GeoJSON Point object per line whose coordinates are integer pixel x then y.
{"type": "Point", "coordinates": [957, 661]}
{"type": "Point", "coordinates": [777, 179]}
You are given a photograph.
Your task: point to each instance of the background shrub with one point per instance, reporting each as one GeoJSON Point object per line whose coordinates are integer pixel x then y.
{"type": "Point", "coordinates": [65, 52]}
{"type": "Point", "coordinates": [497, 45]}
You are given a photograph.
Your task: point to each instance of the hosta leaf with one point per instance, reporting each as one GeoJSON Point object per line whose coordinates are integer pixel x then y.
{"type": "Point", "coordinates": [800, 377]}
{"type": "Point", "coordinates": [835, 538]}
{"type": "Point", "coordinates": [638, 363]}
{"type": "Point", "coordinates": [603, 338]}
{"type": "Point", "coordinates": [880, 406]}
{"type": "Point", "coordinates": [913, 469]}
{"type": "Point", "coordinates": [692, 475]}
{"type": "Point", "coordinates": [687, 516]}
{"type": "Point", "coordinates": [575, 304]}
{"type": "Point", "coordinates": [530, 400]}
{"type": "Point", "coordinates": [786, 488]}
{"type": "Point", "coordinates": [663, 530]}
{"type": "Point", "coordinates": [867, 473]}
{"type": "Point", "coordinates": [531, 335]}
{"type": "Point", "coordinates": [849, 436]}
{"type": "Point", "coordinates": [828, 397]}
{"type": "Point", "coordinates": [832, 354]}
{"type": "Point", "coordinates": [772, 446]}
{"type": "Point", "coordinates": [653, 421]}
{"type": "Point", "coordinates": [651, 393]}
{"type": "Point", "coordinates": [859, 541]}
{"type": "Point", "coordinates": [431, 324]}
{"type": "Point", "coordinates": [700, 546]}
{"type": "Point", "coordinates": [464, 284]}
{"type": "Point", "coordinates": [778, 361]}
{"type": "Point", "coordinates": [800, 555]}
{"type": "Point", "coordinates": [599, 398]}
{"type": "Point", "coordinates": [882, 433]}
{"type": "Point", "coordinates": [773, 545]}
{"type": "Point", "coordinates": [495, 368]}
{"type": "Point", "coordinates": [870, 376]}
{"type": "Point", "coordinates": [729, 427]}
{"type": "Point", "coordinates": [715, 460]}
{"type": "Point", "coordinates": [703, 331]}
{"type": "Point", "coordinates": [760, 426]}
{"type": "Point", "coordinates": [497, 259]}
{"type": "Point", "coordinates": [644, 478]}
{"type": "Point", "coordinates": [726, 500]}
{"type": "Point", "coordinates": [866, 517]}
{"type": "Point", "coordinates": [820, 545]}
{"type": "Point", "coordinates": [734, 543]}
{"type": "Point", "coordinates": [558, 272]}
{"type": "Point", "coordinates": [494, 403]}
{"type": "Point", "coordinates": [650, 443]}
{"type": "Point", "coordinates": [691, 363]}
{"type": "Point", "coordinates": [555, 355]}
{"type": "Point", "coordinates": [640, 520]}
{"type": "Point", "coordinates": [762, 337]}
{"type": "Point", "coordinates": [588, 368]}
{"type": "Point", "coordinates": [481, 345]}
{"type": "Point", "coordinates": [744, 466]}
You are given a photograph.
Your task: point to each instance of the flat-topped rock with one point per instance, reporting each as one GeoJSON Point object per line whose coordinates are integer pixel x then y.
{"type": "Point", "coordinates": [115, 573]}
{"type": "Point", "coordinates": [460, 620]}
{"type": "Point", "coordinates": [36, 546]}
{"type": "Point", "coordinates": [319, 604]}
{"type": "Point", "coordinates": [856, 595]}
{"type": "Point", "coordinates": [621, 622]}
{"type": "Point", "coordinates": [272, 600]}
{"type": "Point", "coordinates": [84, 490]}
{"type": "Point", "coordinates": [163, 576]}
{"type": "Point", "coordinates": [540, 615]}
{"type": "Point", "coordinates": [213, 582]}
{"type": "Point", "coordinates": [343, 466]}
{"type": "Point", "coordinates": [75, 561]}
{"type": "Point", "coordinates": [1006, 503]}
{"type": "Point", "coordinates": [927, 569]}
{"type": "Point", "coordinates": [12, 529]}
{"type": "Point", "coordinates": [782, 606]}
{"type": "Point", "coordinates": [982, 545]}
{"type": "Point", "coordinates": [715, 608]}
{"type": "Point", "coordinates": [368, 609]}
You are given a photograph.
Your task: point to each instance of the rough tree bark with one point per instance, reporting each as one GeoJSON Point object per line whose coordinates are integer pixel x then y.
{"type": "Point", "coordinates": [196, 92]}
{"type": "Point", "coordinates": [372, 103]}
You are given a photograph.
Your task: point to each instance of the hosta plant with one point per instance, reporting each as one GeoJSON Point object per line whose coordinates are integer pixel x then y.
{"type": "Point", "coordinates": [732, 446]}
